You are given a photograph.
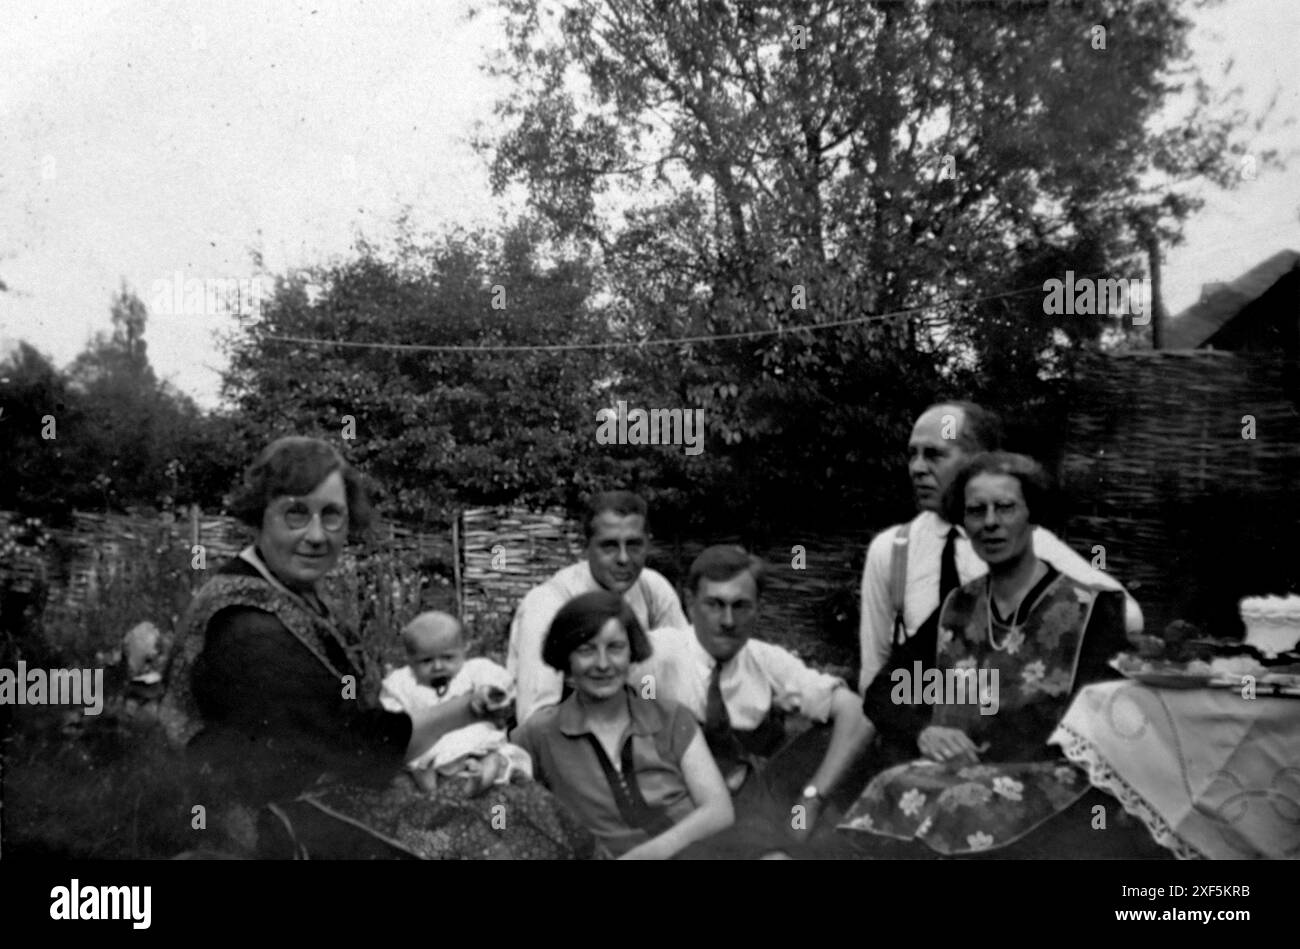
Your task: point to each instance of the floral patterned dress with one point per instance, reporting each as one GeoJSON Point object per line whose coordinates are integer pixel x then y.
{"type": "Point", "coordinates": [1020, 782]}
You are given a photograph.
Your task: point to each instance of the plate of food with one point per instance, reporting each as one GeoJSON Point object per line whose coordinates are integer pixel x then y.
{"type": "Point", "coordinates": [1163, 673]}
{"type": "Point", "coordinates": [1222, 672]}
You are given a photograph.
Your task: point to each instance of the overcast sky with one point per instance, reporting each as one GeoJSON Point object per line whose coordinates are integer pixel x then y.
{"type": "Point", "coordinates": [140, 138]}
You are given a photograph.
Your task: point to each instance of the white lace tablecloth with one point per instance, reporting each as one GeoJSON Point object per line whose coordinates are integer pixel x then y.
{"type": "Point", "coordinates": [1211, 773]}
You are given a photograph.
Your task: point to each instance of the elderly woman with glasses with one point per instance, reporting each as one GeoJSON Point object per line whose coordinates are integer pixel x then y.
{"type": "Point", "coordinates": [276, 699]}
{"type": "Point", "coordinates": [1013, 648]}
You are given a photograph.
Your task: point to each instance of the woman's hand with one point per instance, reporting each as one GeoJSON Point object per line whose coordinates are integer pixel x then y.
{"type": "Point", "coordinates": [947, 745]}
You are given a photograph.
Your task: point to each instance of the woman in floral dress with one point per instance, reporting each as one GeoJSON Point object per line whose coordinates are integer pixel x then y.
{"type": "Point", "coordinates": [1014, 647]}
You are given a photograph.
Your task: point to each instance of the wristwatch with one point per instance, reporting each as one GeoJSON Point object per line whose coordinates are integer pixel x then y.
{"type": "Point", "coordinates": [810, 794]}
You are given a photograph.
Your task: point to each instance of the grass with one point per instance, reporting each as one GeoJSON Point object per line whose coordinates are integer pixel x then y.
{"type": "Point", "coordinates": [92, 787]}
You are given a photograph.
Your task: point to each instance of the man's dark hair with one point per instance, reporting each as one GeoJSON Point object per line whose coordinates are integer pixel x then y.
{"type": "Point", "coordinates": [582, 619]}
{"type": "Point", "coordinates": [622, 503]}
{"type": "Point", "coordinates": [980, 429]}
{"type": "Point", "coordinates": [721, 562]}
{"type": "Point", "coordinates": [1035, 485]}
{"type": "Point", "coordinates": [294, 466]}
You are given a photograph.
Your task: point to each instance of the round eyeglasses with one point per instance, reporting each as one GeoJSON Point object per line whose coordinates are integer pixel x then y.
{"type": "Point", "coordinates": [298, 515]}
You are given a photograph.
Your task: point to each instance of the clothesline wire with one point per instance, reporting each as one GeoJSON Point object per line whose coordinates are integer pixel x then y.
{"type": "Point", "coordinates": [675, 341]}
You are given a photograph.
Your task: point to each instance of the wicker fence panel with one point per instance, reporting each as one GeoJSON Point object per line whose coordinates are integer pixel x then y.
{"type": "Point", "coordinates": [810, 608]}
{"type": "Point", "coordinates": [810, 604]}
{"type": "Point", "coordinates": [504, 553]}
{"type": "Point", "coordinates": [1159, 474]}
{"type": "Point", "coordinates": [378, 586]}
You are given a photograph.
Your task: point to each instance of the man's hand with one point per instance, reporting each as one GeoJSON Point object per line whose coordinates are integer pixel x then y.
{"type": "Point", "coordinates": [947, 745]}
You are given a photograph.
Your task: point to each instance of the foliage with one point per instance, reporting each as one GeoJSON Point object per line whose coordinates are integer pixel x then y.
{"type": "Point", "coordinates": [877, 157]}
{"type": "Point", "coordinates": [102, 787]}
{"type": "Point", "coordinates": [145, 577]}
{"type": "Point", "coordinates": [105, 433]}
{"type": "Point", "coordinates": [377, 591]}
{"type": "Point", "coordinates": [434, 429]}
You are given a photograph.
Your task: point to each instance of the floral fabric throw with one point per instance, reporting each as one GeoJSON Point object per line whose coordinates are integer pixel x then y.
{"type": "Point", "coordinates": [1020, 781]}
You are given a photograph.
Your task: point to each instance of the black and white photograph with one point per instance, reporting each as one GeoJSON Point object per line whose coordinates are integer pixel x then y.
{"type": "Point", "coordinates": [693, 430]}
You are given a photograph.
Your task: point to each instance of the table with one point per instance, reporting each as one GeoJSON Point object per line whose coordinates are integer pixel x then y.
{"type": "Point", "coordinates": [1211, 773]}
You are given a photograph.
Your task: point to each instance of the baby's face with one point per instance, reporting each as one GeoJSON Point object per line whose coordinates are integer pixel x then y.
{"type": "Point", "coordinates": [436, 655]}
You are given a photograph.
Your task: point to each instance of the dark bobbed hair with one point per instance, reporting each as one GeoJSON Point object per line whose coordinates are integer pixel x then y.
{"type": "Point", "coordinates": [1035, 485]}
{"type": "Point", "coordinates": [722, 562]}
{"type": "Point", "coordinates": [295, 465]}
{"type": "Point", "coordinates": [582, 619]}
{"type": "Point", "coordinates": [980, 429]}
{"type": "Point", "coordinates": [622, 503]}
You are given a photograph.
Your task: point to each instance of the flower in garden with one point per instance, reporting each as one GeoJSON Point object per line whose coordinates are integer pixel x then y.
{"type": "Point", "coordinates": [979, 841]}
{"type": "Point", "coordinates": [1009, 788]}
{"type": "Point", "coordinates": [911, 802]}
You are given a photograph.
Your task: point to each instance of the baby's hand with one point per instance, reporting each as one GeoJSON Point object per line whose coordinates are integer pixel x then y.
{"type": "Point", "coordinates": [490, 702]}
{"type": "Point", "coordinates": [485, 772]}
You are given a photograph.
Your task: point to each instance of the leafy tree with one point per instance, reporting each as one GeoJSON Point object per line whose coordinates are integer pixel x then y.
{"type": "Point", "coordinates": [121, 438]}
{"type": "Point", "coordinates": [863, 158]}
{"type": "Point", "coordinates": [436, 429]}
{"type": "Point", "coordinates": [132, 426]}
{"type": "Point", "coordinates": [35, 471]}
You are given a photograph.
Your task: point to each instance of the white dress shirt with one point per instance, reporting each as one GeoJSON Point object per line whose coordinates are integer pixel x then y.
{"type": "Point", "coordinates": [652, 598]}
{"type": "Point", "coordinates": [927, 533]}
{"type": "Point", "coordinates": [757, 677]}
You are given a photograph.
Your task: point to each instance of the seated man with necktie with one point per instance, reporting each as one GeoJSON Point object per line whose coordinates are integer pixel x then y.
{"type": "Point", "coordinates": [740, 689]}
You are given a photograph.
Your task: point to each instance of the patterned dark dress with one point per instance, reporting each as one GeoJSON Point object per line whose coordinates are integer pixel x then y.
{"type": "Point", "coordinates": [274, 702]}
{"type": "Point", "coordinates": [1067, 632]}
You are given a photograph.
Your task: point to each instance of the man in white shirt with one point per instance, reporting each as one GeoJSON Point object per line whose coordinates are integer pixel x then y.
{"type": "Point", "coordinates": [938, 555]}
{"type": "Point", "coordinates": [738, 688]}
{"type": "Point", "coordinates": [617, 543]}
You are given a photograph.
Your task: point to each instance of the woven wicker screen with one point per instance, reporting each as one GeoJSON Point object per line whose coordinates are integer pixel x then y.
{"type": "Point", "coordinates": [1191, 514]}
{"type": "Point", "coordinates": [504, 553]}
{"type": "Point", "coordinates": [800, 606]}
{"type": "Point", "coordinates": [72, 569]}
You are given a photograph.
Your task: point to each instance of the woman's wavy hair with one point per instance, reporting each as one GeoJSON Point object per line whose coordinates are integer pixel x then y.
{"type": "Point", "coordinates": [294, 466]}
{"type": "Point", "coordinates": [582, 619]}
{"type": "Point", "coordinates": [1035, 485]}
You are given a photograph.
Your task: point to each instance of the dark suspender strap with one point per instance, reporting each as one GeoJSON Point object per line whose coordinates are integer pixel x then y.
{"type": "Point", "coordinates": [632, 807]}
{"type": "Point", "coordinates": [898, 582]}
